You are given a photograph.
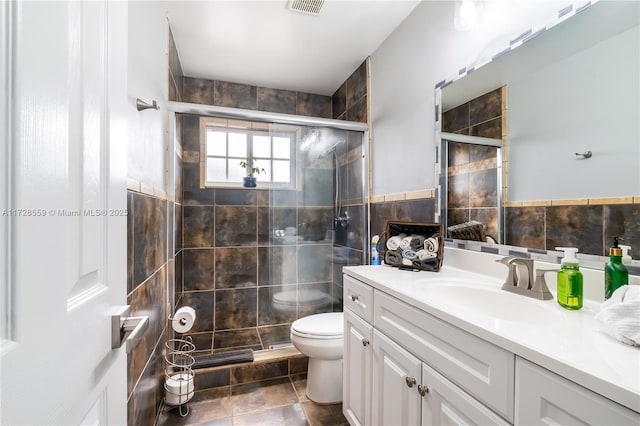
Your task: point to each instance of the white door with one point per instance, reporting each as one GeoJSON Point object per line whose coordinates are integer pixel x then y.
{"type": "Point", "coordinates": [396, 376]}
{"type": "Point", "coordinates": [63, 219]}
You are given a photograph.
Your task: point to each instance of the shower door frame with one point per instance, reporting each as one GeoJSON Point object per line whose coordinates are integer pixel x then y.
{"type": "Point", "coordinates": [174, 108]}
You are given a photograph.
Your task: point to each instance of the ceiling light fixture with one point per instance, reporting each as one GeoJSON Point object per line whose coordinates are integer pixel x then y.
{"type": "Point", "coordinates": [466, 14]}
{"type": "Point", "coordinates": [310, 7]}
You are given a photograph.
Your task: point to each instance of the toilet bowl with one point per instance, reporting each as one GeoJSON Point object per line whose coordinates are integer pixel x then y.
{"type": "Point", "coordinates": [320, 337]}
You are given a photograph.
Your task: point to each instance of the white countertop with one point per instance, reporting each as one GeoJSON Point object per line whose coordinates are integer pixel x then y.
{"type": "Point", "coordinates": [568, 343]}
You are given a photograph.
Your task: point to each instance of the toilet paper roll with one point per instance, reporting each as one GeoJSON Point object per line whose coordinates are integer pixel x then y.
{"type": "Point", "coordinates": [179, 388]}
{"type": "Point", "coordinates": [183, 319]}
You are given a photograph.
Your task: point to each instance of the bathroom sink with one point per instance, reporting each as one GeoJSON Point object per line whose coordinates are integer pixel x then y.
{"type": "Point", "coordinates": [491, 302]}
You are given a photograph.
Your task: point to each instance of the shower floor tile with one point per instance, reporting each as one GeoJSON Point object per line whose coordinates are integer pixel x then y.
{"type": "Point", "coordinates": [280, 402]}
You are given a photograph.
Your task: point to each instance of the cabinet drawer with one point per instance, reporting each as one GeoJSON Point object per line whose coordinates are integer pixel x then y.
{"type": "Point", "coordinates": [359, 298]}
{"type": "Point", "coordinates": [482, 369]}
{"type": "Point", "coordinates": [447, 404]}
{"type": "Point", "coordinates": [543, 397]}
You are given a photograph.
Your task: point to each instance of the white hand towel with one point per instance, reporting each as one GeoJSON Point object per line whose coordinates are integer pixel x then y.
{"type": "Point", "coordinates": [620, 315]}
{"type": "Point", "coordinates": [431, 245]}
{"type": "Point", "coordinates": [406, 243]}
{"type": "Point", "coordinates": [393, 243]}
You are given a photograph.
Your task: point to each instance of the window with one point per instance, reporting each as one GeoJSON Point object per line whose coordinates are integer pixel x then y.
{"type": "Point", "coordinates": [223, 148]}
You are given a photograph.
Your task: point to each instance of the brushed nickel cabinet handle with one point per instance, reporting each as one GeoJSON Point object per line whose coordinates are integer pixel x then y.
{"type": "Point", "coordinates": [354, 298]}
{"type": "Point", "coordinates": [410, 381]}
{"type": "Point", "coordinates": [365, 342]}
{"type": "Point", "coordinates": [423, 390]}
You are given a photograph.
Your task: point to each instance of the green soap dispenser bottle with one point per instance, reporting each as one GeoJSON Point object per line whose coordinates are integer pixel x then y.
{"type": "Point", "coordinates": [569, 280]}
{"type": "Point", "coordinates": [615, 273]}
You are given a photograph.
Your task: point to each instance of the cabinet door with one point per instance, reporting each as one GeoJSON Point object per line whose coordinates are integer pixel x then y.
{"type": "Point", "coordinates": [357, 369]}
{"type": "Point", "coordinates": [543, 397]}
{"type": "Point", "coordinates": [396, 376]}
{"type": "Point", "coordinates": [444, 403]}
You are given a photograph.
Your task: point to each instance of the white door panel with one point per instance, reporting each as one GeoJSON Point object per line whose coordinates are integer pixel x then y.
{"type": "Point", "coordinates": [66, 213]}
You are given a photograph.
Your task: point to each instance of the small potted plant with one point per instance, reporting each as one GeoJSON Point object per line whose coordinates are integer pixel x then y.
{"type": "Point", "coordinates": [250, 179]}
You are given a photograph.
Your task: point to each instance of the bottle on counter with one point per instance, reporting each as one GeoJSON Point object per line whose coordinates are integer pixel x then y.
{"type": "Point", "coordinates": [569, 280]}
{"type": "Point", "coordinates": [375, 254]}
{"type": "Point", "coordinates": [615, 273]}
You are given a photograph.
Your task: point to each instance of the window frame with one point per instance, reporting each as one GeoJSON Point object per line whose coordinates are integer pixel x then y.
{"type": "Point", "coordinates": [251, 129]}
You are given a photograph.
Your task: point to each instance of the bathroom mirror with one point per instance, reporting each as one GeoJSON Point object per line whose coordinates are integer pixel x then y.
{"type": "Point", "coordinates": [567, 90]}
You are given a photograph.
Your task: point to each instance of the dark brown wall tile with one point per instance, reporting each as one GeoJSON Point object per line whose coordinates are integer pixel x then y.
{"type": "Point", "coordinates": [575, 226]}
{"type": "Point", "coordinates": [456, 216]}
{"type": "Point", "coordinates": [276, 100]}
{"type": "Point", "coordinates": [202, 341]}
{"type": "Point", "coordinates": [149, 236]}
{"type": "Point", "coordinates": [212, 379]}
{"type": "Point", "coordinates": [483, 188]}
{"type": "Point", "coordinates": [357, 85]}
{"type": "Point", "coordinates": [277, 265]}
{"type": "Point", "coordinates": [236, 226]}
{"type": "Point", "coordinates": [178, 228]}
{"type": "Point", "coordinates": [190, 132]}
{"type": "Point", "coordinates": [482, 152]}
{"type": "Point", "coordinates": [130, 237]}
{"type": "Point", "coordinates": [380, 214]}
{"type": "Point", "coordinates": [199, 269]}
{"type": "Point", "coordinates": [198, 226]}
{"type": "Point", "coordinates": [488, 217]}
{"type": "Point", "coordinates": [312, 105]}
{"type": "Point", "coordinates": [198, 91]}
{"type": "Point", "coordinates": [459, 153]}
{"type": "Point", "coordinates": [339, 101]}
{"type": "Point", "coordinates": [235, 197]}
{"type": "Point", "coordinates": [271, 310]}
{"type": "Point", "coordinates": [458, 191]}
{"type": "Point", "coordinates": [456, 118]}
{"type": "Point", "coordinates": [525, 227]}
{"type": "Point", "coordinates": [485, 107]}
{"type": "Point", "coordinates": [421, 210]}
{"type": "Point", "coordinates": [236, 267]}
{"type": "Point", "coordinates": [318, 187]}
{"type": "Point", "coordinates": [314, 263]}
{"type": "Point", "coordinates": [236, 338]}
{"type": "Point", "coordinates": [358, 112]}
{"type": "Point", "coordinates": [257, 372]}
{"type": "Point", "coordinates": [236, 308]}
{"type": "Point", "coordinates": [314, 222]}
{"type": "Point", "coordinates": [234, 95]}
{"type": "Point", "coordinates": [488, 129]}
{"type": "Point", "coordinates": [298, 365]}
{"type": "Point", "coordinates": [274, 335]}
{"type": "Point", "coordinates": [202, 302]}
{"type": "Point", "coordinates": [622, 221]}
{"type": "Point", "coordinates": [309, 302]}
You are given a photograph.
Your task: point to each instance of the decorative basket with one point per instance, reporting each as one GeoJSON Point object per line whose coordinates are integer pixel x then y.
{"type": "Point", "coordinates": [413, 246]}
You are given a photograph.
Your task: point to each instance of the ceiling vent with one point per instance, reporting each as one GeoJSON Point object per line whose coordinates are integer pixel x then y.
{"type": "Point", "coordinates": [310, 7]}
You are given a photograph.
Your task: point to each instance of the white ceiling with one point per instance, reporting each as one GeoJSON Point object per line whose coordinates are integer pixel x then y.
{"type": "Point", "coordinates": [263, 43]}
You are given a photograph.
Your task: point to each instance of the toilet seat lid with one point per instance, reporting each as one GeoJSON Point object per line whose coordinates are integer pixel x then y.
{"type": "Point", "coordinates": [330, 324]}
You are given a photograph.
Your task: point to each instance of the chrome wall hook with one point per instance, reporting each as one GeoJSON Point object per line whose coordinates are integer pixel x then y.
{"type": "Point", "coordinates": [585, 155]}
{"type": "Point", "coordinates": [142, 105]}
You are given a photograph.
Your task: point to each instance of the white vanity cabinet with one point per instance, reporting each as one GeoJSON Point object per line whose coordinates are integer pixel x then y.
{"type": "Point", "coordinates": [391, 355]}
{"type": "Point", "coordinates": [543, 397]}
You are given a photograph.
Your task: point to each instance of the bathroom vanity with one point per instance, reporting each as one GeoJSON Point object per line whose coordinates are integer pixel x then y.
{"type": "Point", "coordinates": [452, 348]}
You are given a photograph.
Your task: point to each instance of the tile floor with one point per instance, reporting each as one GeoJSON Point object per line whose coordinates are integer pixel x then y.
{"type": "Point", "coordinates": [277, 402]}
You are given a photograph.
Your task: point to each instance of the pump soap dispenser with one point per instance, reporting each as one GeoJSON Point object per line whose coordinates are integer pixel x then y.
{"type": "Point", "coordinates": [615, 273]}
{"type": "Point", "coordinates": [569, 280]}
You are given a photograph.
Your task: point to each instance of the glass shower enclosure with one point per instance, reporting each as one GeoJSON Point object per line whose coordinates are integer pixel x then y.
{"type": "Point", "coordinates": [254, 259]}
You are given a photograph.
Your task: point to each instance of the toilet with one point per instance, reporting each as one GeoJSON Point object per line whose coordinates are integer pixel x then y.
{"type": "Point", "coordinates": [320, 337]}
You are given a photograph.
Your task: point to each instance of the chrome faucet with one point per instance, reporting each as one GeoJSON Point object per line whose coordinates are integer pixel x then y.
{"type": "Point", "coordinates": [520, 278]}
